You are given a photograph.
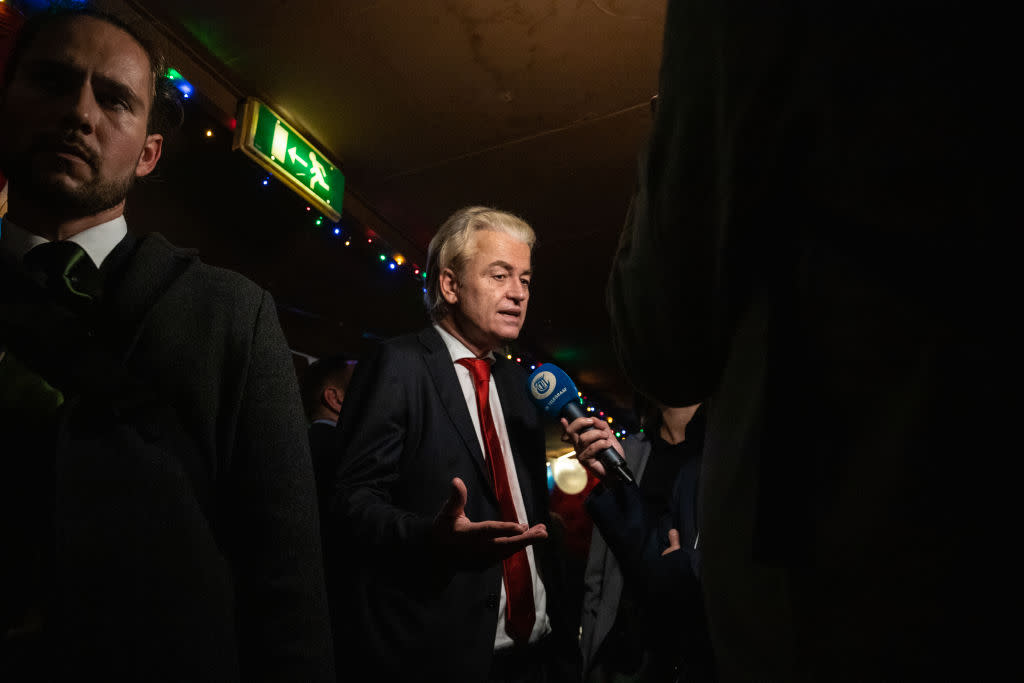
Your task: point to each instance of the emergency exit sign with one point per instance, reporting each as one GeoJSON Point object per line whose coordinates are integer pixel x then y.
{"type": "Point", "coordinates": [269, 141]}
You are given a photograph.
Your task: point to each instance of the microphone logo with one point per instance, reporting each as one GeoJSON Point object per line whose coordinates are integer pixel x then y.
{"type": "Point", "coordinates": [543, 385]}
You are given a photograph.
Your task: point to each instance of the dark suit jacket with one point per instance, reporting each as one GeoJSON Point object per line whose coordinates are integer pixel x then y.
{"type": "Point", "coordinates": [181, 494]}
{"type": "Point", "coordinates": [322, 447]}
{"type": "Point", "coordinates": [405, 433]}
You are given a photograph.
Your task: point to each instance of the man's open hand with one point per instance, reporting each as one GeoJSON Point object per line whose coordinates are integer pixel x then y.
{"type": "Point", "coordinates": [479, 543]}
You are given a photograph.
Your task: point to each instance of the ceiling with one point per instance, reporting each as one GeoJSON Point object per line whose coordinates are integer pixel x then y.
{"type": "Point", "coordinates": [538, 107]}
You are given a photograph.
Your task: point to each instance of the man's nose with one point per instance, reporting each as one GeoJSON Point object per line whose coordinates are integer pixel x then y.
{"type": "Point", "coordinates": [82, 109]}
{"type": "Point", "coordinates": [518, 291]}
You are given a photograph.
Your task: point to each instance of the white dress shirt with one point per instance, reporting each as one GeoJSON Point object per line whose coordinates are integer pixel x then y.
{"type": "Point", "coordinates": [458, 350]}
{"type": "Point", "coordinates": [97, 241]}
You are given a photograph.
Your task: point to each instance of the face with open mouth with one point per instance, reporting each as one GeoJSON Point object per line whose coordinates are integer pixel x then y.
{"type": "Point", "coordinates": [490, 295]}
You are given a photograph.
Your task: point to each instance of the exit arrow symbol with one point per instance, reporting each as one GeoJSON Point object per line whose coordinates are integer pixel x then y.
{"type": "Point", "coordinates": [296, 159]}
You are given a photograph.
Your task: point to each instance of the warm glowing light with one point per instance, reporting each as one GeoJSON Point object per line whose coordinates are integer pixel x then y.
{"type": "Point", "coordinates": [510, 356]}
{"type": "Point", "coordinates": [610, 420]}
{"type": "Point", "coordinates": [209, 132]}
{"type": "Point", "coordinates": [570, 476]}
{"type": "Point", "coordinates": [399, 259]}
{"type": "Point", "coordinates": [348, 242]}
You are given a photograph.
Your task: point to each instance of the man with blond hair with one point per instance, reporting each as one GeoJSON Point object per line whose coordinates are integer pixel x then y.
{"type": "Point", "coordinates": [441, 498]}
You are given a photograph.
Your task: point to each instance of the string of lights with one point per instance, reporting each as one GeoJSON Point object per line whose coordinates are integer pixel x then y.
{"type": "Point", "coordinates": [389, 259]}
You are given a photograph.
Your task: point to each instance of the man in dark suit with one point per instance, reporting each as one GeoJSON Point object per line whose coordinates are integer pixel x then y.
{"type": "Point", "coordinates": [462, 589]}
{"type": "Point", "coordinates": [158, 516]}
{"type": "Point", "coordinates": [323, 388]}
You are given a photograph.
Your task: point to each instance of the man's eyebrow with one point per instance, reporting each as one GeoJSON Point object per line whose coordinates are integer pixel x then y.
{"type": "Point", "coordinates": [120, 89]}
{"type": "Point", "coordinates": [508, 266]}
{"type": "Point", "coordinates": [109, 84]}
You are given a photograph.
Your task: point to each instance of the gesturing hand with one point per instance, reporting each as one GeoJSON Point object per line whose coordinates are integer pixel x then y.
{"type": "Point", "coordinates": [479, 543]}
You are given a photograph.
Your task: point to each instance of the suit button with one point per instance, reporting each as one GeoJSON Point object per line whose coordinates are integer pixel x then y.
{"type": "Point", "coordinates": [492, 600]}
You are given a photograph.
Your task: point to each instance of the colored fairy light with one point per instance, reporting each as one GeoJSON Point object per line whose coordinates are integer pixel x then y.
{"type": "Point", "coordinates": [209, 132]}
{"type": "Point", "coordinates": [348, 242]}
{"type": "Point", "coordinates": [383, 257]}
{"type": "Point", "coordinates": [399, 259]}
{"type": "Point", "coordinates": [266, 181]}
{"type": "Point", "coordinates": [510, 356]}
{"type": "Point", "coordinates": [392, 265]}
{"type": "Point", "coordinates": [337, 231]}
{"type": "Point", "coordinates": [424, 275]}
{"type": "Point", "coordinates": [319, 221]}
{"type": "Point", "coordinates": [308, 209]}
{"type": "Point", "coordinates": [415, 271]}
{"type": "Point", "coordinates": [610, 419]}
{"type": "Point", "coordinates": [532, 367]}
{"type": "Point", "coordinates": [183, 86]}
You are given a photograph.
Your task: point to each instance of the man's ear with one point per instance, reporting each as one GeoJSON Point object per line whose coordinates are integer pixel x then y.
{"type": "Point", "coordinates": [449, 286]}
{"type": "Point", "coordinates": [150, 154]}
{"type": "Point", "coordinates": [333, 397]}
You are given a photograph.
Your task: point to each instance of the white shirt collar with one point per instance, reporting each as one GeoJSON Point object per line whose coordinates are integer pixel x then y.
{"type": "Point", "coordinates": [97, 241]}
{"type": "Point", "coordinates": [456, 348]}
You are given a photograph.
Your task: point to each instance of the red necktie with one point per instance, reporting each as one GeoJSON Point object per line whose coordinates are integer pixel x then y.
{"type": "Point", "coordinates": [519, 609]}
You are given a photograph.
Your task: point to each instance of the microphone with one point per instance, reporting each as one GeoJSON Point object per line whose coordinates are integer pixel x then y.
{"type": "Point", "coordinates": [555, 394]}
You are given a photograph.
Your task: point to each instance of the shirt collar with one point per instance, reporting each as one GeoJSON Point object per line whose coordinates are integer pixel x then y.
{"type": "Point", "coordinates": [456, 349]}
{"type": "Point", "coordinates": [97, 241]}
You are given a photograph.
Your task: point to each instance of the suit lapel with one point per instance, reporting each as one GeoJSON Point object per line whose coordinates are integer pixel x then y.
{"type": "Point", "coordinates": [138, 273]}
{"type": "Point", "coordinates": [442, 372]}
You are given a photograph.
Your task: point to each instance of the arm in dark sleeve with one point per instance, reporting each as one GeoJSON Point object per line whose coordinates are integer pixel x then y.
{"type": "Point", "coordinates": [665, 582]}
{"type": "Point", "coordinates": [373, 432]}
{"type": "Point", "coordinates": [665, 276]}
{"type": "Point", "coordinates": [284, 629]}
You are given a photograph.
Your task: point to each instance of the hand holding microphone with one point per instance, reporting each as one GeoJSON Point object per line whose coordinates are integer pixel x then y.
{"type": "Point", "coordinates": [553, 392]}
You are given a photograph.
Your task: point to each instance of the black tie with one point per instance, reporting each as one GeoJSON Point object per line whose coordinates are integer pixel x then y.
{"type": "Point", "coordinates": [67, 272]}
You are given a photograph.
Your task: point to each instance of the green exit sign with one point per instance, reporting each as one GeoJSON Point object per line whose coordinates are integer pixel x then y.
{"type": "Point", "coordinates": [265, 138]}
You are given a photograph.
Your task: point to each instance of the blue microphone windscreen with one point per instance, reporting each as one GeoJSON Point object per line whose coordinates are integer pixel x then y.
{"type": "Point", "coordinates": [550, 388]}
